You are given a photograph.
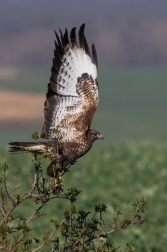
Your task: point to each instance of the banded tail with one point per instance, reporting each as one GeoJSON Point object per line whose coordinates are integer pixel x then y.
{"type": "Point", "coordinates": [38, 148]}
{"type": "Point", "coordinates": [34, 147]}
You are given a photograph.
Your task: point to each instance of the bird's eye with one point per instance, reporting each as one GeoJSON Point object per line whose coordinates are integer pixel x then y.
{"type": "Point", "coordinates": [95, 134]}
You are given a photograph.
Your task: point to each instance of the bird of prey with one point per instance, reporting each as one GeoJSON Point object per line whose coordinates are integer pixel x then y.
{"type": "Point", "coordinates": [71, 100]}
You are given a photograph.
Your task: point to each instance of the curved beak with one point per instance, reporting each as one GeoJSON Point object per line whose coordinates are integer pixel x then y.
{"type": "Point", "coordinates": [100, 136]}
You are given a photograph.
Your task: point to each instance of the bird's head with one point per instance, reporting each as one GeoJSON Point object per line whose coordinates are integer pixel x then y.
{"type": "Point", "coordinates": [95, 135]}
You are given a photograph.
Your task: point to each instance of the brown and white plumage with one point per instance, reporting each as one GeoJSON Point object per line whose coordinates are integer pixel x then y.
{"type": "Point", "coordinates": [71, 101]}
{"type": "Point", "coordinates": [73, 90]}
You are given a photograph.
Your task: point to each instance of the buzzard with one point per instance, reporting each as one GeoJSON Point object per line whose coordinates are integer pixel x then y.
{"type": "Point", "coordinates": [71, 101]}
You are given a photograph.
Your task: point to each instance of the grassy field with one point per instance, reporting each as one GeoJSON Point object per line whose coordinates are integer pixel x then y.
{"type": "Point", "coordinates": [115, 175]}
{"type": "Point", "coordinates": [132, 103]}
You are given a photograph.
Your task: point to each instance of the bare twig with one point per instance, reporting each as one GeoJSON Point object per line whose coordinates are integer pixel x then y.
{"type": "Point", "coordinates": [50, 236]}
{"type": "Point", "coordinates": [7, 214]}
{"type": "Point", "coordinates": [6, 190]}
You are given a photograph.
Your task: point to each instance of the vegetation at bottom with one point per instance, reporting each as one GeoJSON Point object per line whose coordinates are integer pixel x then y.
{"type": "Point", "coordinates": [107, 195]}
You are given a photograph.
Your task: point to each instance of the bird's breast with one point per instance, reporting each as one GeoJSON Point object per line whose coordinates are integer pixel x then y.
{"type": "Point", "coordinates": [83, 148]}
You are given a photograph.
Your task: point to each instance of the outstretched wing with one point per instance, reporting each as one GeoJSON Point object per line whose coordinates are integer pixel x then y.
{"type": "Point", "coordinates": [73, 93]}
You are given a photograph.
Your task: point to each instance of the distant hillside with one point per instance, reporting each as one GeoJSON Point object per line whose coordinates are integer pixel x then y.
{"type": "Point", "coordinates": [20, 106]}
{"type": "Point", "coordinates": [124, 32]}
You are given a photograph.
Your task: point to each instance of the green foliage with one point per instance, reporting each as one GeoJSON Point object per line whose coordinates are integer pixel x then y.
{"type": "Point", "coordinates": [35, 136]}
{"type": "Point", "coordinates": [115, 175]}
{"type": "Point", "coordinates": [72, 194]}
{"type": "Point", "coordinates": [81, 231]}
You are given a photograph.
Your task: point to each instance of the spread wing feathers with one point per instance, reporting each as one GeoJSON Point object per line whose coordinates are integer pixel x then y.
{"type": "Point", "coordinates": [73, 94]}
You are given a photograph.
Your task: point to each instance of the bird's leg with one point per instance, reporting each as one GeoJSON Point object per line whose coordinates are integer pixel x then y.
{"type": "Point", "coordinates": [58, 183]}
{"type": "Point", "coordinates": [57, 172]}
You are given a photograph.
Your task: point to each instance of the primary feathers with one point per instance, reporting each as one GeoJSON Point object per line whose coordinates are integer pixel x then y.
{"type": "Point", "coordinates": [71, 101]}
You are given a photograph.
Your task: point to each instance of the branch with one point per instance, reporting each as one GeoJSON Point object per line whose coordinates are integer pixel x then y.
{"type": "Point", "coordinates": [50, 236]}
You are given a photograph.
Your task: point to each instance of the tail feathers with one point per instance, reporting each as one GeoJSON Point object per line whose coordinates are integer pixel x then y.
{"type": "Point", "coordinates": [35, 147]}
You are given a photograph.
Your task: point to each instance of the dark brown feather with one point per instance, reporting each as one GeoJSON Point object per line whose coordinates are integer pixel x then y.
{"type": "Point", "coordinates": [82, 40]}
{"type": "Point", "coordinates": [94, 56]}
{"type": "Point", "coordinates": [73, 38]}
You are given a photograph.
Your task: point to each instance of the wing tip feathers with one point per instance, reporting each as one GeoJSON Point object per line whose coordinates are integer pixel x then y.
{"type": "Point", "coordinates": [63, 40]}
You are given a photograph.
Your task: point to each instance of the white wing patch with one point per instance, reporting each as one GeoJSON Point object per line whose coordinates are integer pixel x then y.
{"type": "Point", "coordinates": [67, 99]}
{"type": "Point", "coordinates": [74, 63]}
